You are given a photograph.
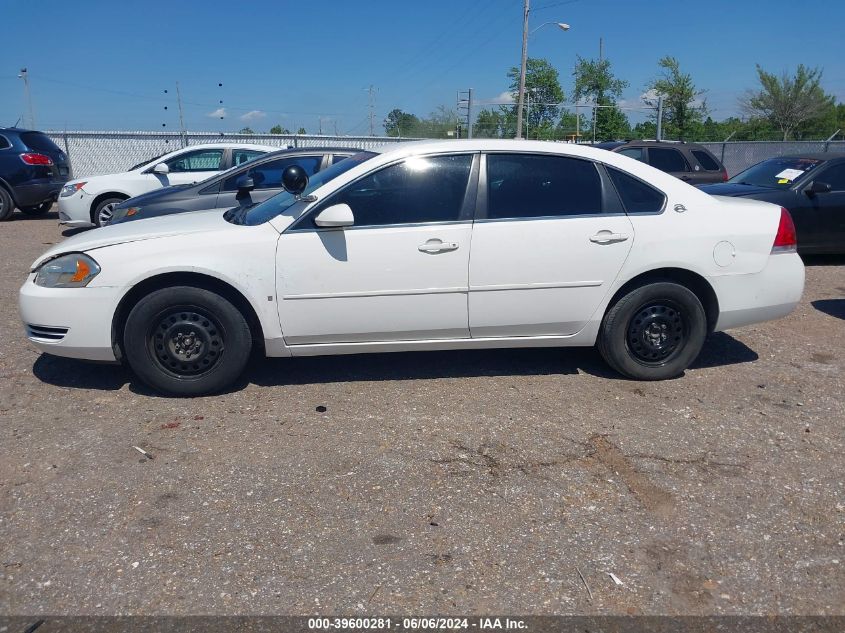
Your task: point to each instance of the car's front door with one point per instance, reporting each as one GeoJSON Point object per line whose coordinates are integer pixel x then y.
{"type": "Point", "coordinates": [267, 178]}
{"type": "Point", "coordinates": [820, 220]}
{"type": "Point", "coordinates": [546, 247]}
{"type": "Point", "coordinates": [399, 273]}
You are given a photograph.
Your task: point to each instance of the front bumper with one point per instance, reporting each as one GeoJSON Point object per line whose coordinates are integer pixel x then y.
{"type": "Point", "coordinates": [75, 210]}
{"type": "Point", "coordinates": [71, 322]}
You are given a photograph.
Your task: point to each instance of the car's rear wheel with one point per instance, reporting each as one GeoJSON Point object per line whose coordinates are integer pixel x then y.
{"type": "Point", "coordinates": [187, 341]}
{"type": "Point", "coordinates": [104, 211]}
{"type": "Point", "coordinates": [653, 332]}
{"type": "Point", "coordinates": [38, 209]}
{"type": "Point", "coordinates": [7, 206]}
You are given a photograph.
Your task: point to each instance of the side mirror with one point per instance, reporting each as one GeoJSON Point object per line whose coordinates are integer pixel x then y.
{"type": "Point", "coordinates": [161, 168]}
{"type": "Point", "coordinates": [294, 180]}
{"type": "Point", "coordinates": [817, 186]}
{"type": "Point", "coordinates": [245, 183]}
{"type": "Point", "coordinates": [337, 215]}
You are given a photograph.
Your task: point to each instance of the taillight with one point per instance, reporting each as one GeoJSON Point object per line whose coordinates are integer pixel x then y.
{"type": "Point", "coordinates": [724, 174]}
{"type": "Point", "coordinates": [36, 159]}
{"type": "Point", "coordinates": [785, 241]}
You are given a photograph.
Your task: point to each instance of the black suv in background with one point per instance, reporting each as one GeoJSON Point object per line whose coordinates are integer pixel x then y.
{"type": "Point", "coordinates": [32, 171]}
{"type": "Point", "coordinates": [690, 162]}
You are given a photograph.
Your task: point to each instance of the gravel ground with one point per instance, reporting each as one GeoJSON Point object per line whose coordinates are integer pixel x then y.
{"type": "Point", "coordinates": [440, 482]}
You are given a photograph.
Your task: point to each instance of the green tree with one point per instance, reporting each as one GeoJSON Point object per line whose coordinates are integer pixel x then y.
{"type": "Point", "coordinates": [568, 127]}
{"type": "Point", "coordinates": [543, 95]}
{"type": "Point", "coordinates": [246, 130]}
{"type": "Point", "coordinates": [439, 123]}
{"type": "Point", "coordinates": [399, 123]}
{"type": "Point", "coordinates": [683, 103]}
{"type": "Point", "coordinates": [788, 102]}
{"type": "Point", "coordinates": [595, 82]}
{"type": "Point", "coordinates": [301, 130]}
{"type": "Point", "coordinates": [489, 124]}
{"type": "Point", "coordinates": [278, 129]}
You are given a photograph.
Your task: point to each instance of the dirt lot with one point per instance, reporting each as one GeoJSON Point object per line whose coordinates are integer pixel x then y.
{"type": "Point", "coordinates": [434, 482]}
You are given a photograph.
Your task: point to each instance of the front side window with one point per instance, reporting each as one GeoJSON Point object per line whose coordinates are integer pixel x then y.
{"type": "Point", "coordinates": [637, 196]}
{"type": "Point", "coordinates": [240, 156]}
{"type": "Point", "coordinates": [669, 160]}
{"type": "Point", "coordinates": [418, 189]}
{"type": "Point", "coordinates": [533, 185]}
{"type": "Point", "coordinates": [834, 176]}
{"type": "Point", "coordinates": [269, 175]}
{"type": "Point", "coordinates": [202, 160]}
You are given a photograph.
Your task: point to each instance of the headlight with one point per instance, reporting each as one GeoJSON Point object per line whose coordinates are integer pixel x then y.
{"type": "Point", "coordinates": [71, 188]}
{"type": "Point", "coordinates": [68, 271]}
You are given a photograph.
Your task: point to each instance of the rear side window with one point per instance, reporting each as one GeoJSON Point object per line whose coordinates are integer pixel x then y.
{"type": "Point", "coordinates": [269, 175]}
{"type": "Point", "coordinates": [532, 186]}
{"type": "Point", "coordinates": [637, 196]}
{"type": "Point", "coordinates": [202, 160]}
{"type": "Point", "coordinates": [669, 160]}
{"type": "Point", "coordinates": [706, 160]}
{"type": "Point", "coordinates": [633, 152]}
{"type": "Point", "coordinates": [4, 143]}
{"type": "Point", "coordinates": [419, 189]}
{"type": "Point", "coordinates": [39, 142]}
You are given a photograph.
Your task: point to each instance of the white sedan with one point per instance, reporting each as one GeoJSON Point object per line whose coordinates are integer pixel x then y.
{"type": "Point", "coordinates": [90, 201]}
{"type": "Point", "coordinates": [432, 245]}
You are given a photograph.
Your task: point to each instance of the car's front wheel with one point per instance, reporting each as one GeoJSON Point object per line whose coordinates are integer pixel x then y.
{"type": "Point", "coordinates": [653, 332]}
{"type": "Point", "coordinates": [187, 341]}
{"type": "Point", "coordinates": [104, 211]}
{"type": "Point", "coordinates": [7, 206]}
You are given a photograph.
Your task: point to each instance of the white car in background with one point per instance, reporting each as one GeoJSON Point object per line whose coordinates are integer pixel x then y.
{"type": "Point", "coordinates": [431, 245]}
{"type": "Point", "coordinates": [87, 202]}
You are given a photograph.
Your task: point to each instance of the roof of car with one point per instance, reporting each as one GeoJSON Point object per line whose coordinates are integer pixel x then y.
{"type": "Point", "coordinates": [813, 156]}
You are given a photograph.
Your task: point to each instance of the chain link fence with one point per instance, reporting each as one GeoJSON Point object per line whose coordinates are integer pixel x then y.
{"type": "Point", "coordinates": [97, 153]}
{"type": "Point", "coordinates": [739, 155]}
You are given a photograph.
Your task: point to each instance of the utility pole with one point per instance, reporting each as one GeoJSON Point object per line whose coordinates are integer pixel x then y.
{"type": "Point", "coordinates": [28, 96]}
{"type": "Point", "coordinates": [601, 48]}
{"type": "Point", "coordinates": [372, 102]}
{"type": "Point", "coordinates": [660, 118]}
{"type": "Point", "coordinates": [182, 132]}
{"type": "Point", "coordinates": [525, 10]}
{"type": "Point", "coordinates": [465, 109]}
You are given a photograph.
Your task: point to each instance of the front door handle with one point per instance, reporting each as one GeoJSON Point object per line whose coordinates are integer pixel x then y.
{"type": "Point", "coordinates": [437, 246]}
{"type": "Point", "coordinates": [606, 237]}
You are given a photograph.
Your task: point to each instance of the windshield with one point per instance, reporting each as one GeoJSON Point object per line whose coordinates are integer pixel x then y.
{"type": "Point", "coordinates": [776, 173]}
{"type": "Point", "coordinates": [281, 202]}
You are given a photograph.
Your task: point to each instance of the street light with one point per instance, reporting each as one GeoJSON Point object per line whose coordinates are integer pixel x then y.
{"type": "Point", "coordinates": [563, 26]}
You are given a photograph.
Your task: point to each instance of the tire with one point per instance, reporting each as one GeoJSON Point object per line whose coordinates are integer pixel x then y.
{"type": "Point", "coordinates": [164, 323]}
{"type": "Point", "coordinates": [7, 205]}
{"type": "Point", "coordinates": [39, 209]}
{"type": "Point", "coordinates": [654, 332]}
{"type": "Point", "coordinates": [102, 213]}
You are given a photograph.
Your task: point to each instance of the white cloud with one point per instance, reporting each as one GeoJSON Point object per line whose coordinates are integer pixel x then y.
{"type": "Point", "coordinates": [218, 113]}
{"type": "Point", "coordinates": [253, 115]}
{"type": "Point", "coordinates": [505, 98]}
{"type": "Point", "coordinates": [649, 95]}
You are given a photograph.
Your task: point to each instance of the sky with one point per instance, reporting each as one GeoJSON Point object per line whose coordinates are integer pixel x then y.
{"type": "Point", "coordinates": [105, 65]}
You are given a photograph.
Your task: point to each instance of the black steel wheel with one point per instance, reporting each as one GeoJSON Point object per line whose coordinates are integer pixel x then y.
{"type": "Point", "coordinates": [187, 341]}
{"type": "Point", "coordinates": [654, 331]}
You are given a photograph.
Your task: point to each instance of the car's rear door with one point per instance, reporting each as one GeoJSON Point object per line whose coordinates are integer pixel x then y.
{"type": "Point", "coordinates": [547, 244]}
{"type": "Point", "coordinates": [267, 178]}
{"type": "Point", "coordinates": [398, 274]}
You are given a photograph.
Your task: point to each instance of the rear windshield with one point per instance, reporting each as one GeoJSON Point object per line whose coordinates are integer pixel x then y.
{"type": "Point", "coordinates": [281, 202]}
{"type": "Point", "coordinates": [776, 173]}
{"type": "Point", "coordinates": [707, 161]}
{"type": "Point", "coordinates": [39, 142]}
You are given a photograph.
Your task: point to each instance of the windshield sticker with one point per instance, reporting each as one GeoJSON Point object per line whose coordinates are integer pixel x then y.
{"type": "Point", "coordinates": [789, 175]}
{"type": "Point", "coordinates": [783, 181]}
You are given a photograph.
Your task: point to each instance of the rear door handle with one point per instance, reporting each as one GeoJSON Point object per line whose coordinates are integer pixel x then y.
{"type": "Point", "coordinates": [606, 237]}
{"type": "Point", "coordinates": [437, 246]}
